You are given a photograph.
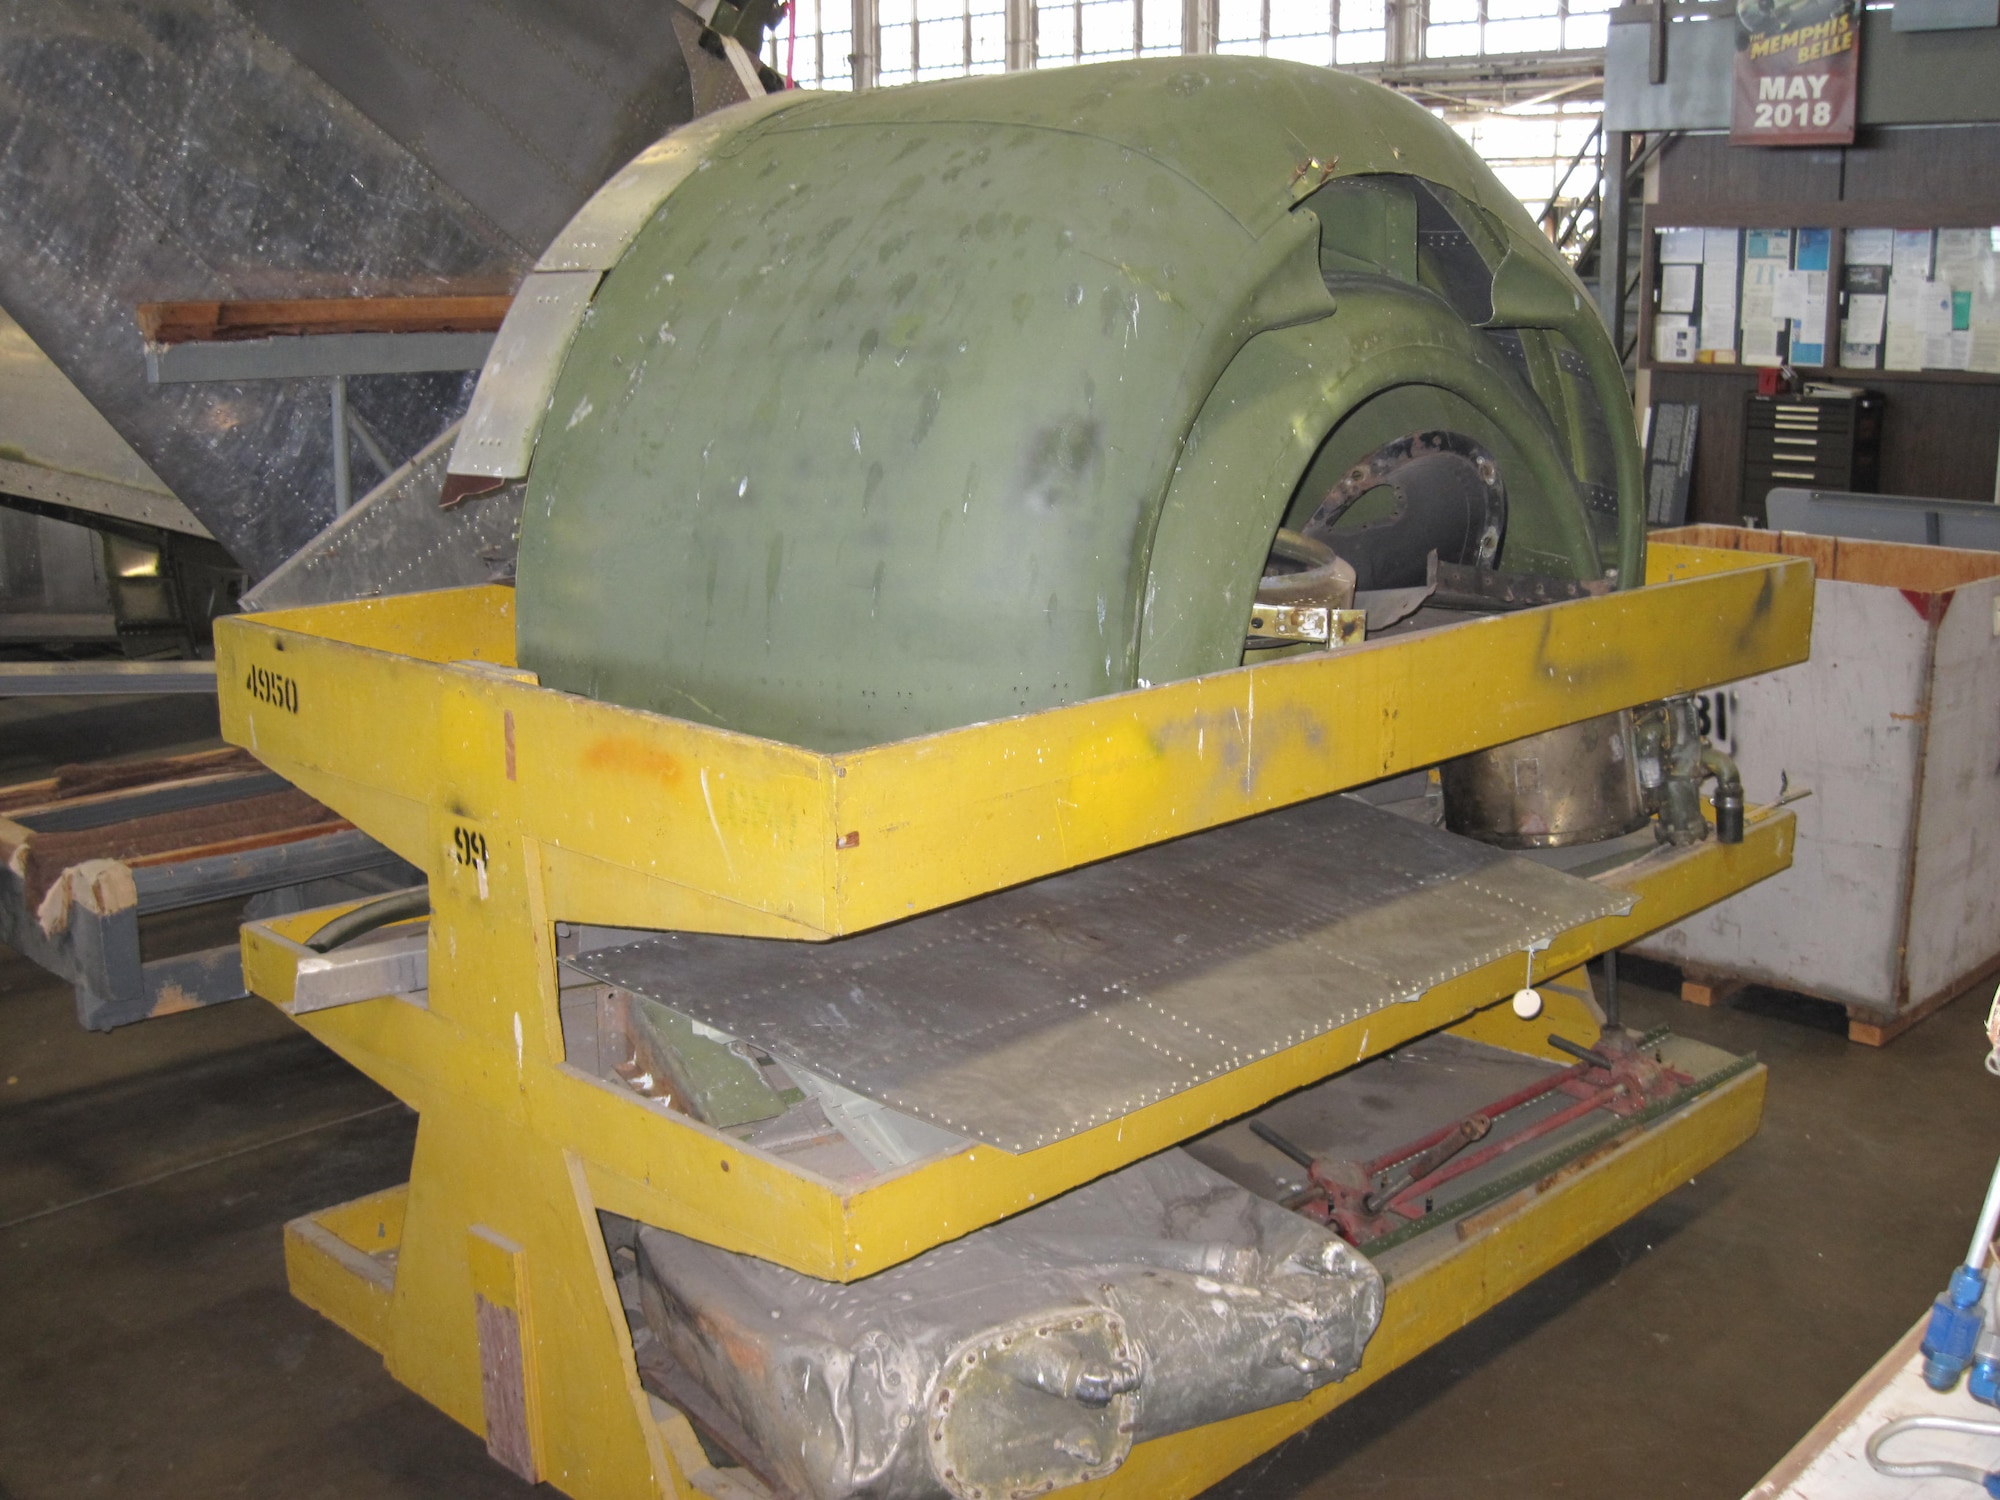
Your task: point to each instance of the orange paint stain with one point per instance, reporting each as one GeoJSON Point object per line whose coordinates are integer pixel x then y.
{"type": "Point", "coordinates": [632, 758]}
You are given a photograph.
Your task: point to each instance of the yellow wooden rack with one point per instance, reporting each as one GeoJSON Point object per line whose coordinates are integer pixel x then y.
{"type": "Point", "coordinates": [484, 1281]}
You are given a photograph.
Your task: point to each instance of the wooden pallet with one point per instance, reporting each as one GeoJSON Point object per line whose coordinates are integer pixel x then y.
{"type": "Point", "coordinates": [1871, 1028]}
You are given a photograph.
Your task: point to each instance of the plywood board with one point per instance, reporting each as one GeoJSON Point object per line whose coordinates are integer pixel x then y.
{"type": "Point", "coordinates": [1848, 724]}
{"type": "Point", "coordinates": [1954, 921]}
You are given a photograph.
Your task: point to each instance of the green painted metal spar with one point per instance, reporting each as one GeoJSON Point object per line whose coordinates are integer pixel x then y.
{"type": "Point", "coordinates": [925, 406]}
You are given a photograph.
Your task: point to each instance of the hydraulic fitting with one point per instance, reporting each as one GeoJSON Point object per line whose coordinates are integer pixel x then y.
{"type": "Point", "coordinates": [1728, 794]}
{"type": "Point", "coordinates": [1984, 1382]}
{"type": "Point", "coordinates": [1956, 1320]}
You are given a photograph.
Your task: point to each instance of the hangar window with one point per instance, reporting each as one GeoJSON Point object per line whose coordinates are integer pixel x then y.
{"type": "Point", "coordinates": [814, 47]}
{"type": "Point", "coordinates": [1488, 28]}
{"type": "Point", "coordinates": [1081, 31]}
{"type": "Point", "coordinates": [1301, 30]}
{"type": "Point", "coordinates": [925, 39]}
{"type": "Point", "coordinates": [1536, 130]}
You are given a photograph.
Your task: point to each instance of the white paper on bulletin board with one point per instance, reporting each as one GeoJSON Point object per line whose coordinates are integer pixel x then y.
{"type": "Point", "coordinates": [1677, 288]}
{"type": "Point", "coordinates": [1903, 342]}
{"type": "Point", "coordinates": [1865, 313]}
{"type": "Point", "coordinates": [1767, 262]}
{"type": "Point", "coordinates": [1673, 339]}
{"type": "Point", "coordinates": [1871, 247]}
{"type": "Point", "coordinates": [1681, 247]}
{"type": "Point", "coordinates": [1718, 302]}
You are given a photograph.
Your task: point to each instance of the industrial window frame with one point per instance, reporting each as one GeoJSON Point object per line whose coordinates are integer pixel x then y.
{"type": "Point", "coordinates": [1362, 34]}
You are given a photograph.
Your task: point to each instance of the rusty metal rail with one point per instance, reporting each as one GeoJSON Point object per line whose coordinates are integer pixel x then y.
{"type": "Point", "coordinates": [88, 852]}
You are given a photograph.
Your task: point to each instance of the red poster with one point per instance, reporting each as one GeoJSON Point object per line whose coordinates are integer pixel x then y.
{"type": "Point", "coordinates": [1795, 72]}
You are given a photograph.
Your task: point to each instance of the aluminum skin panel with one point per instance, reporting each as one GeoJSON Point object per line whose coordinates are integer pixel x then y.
{"type": "Point", "coordinates": [522, 107]}
{"type": "Point", "coordinates": [512, 400]}
{"type": "Point", "coordinates": [498, 436]}
{"type": "Point", "coordinates": [169, 149]}
{"type": "Point", "coordinates": [1034, 1014]}
{"type": "Point", "coordinates": [317, 148]}
{"type": "Point", "coordinates": [398, 540]}
{"type": "Point", "coordinates": [56, 447]}
{"type": "Point", "coordinates": [605, 227]}
{"type": "Point", "coordinates": [316, 356]}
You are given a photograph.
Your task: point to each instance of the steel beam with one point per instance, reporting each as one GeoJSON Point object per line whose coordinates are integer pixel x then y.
{"type": "Point", "coordinates": [316, 356]}
{"type": "Point", "coordinates": [89, 679]}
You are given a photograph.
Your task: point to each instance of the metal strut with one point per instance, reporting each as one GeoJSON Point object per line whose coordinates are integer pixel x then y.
{"type": "Point", "coordinates": [1363, 1201]}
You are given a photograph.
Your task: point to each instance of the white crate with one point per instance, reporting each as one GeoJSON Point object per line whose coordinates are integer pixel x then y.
{"type": "Point", "coordinates": [1892, 903]}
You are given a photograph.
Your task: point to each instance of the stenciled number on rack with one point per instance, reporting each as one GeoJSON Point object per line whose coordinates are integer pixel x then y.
{"type": "Point", "coordinates": [471, 846]}
{"type": "Point", "coordinates": [273, 688]}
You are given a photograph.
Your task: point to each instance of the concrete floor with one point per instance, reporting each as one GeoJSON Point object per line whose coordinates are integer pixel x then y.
{"type": "Point", "coordinates": [148, 1346]}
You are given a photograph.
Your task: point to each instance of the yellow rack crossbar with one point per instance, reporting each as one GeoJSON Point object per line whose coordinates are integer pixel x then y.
{"type": "Point", "coordinates": [407, 716]}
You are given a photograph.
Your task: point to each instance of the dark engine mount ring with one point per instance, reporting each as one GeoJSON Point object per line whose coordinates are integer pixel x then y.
{"type": "Point", "coordinates": [1450, 499]}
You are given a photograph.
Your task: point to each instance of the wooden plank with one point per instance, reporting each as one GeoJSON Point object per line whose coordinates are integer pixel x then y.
{"type": "Point", "coordinates": [210, 322]}
{"type": "Point", "coordinates": [294, 834]}
{"type": "Point", "coordinates": [1700, 169]}
{"type": "Point", "coordinates": [217, 828]}
{"type": "Point", "coordinates": [1873, 1029]}
{"type": "Point", "coordinates": [348, 1287]}
{"type": "Point", "coordinates": [96, 778]}
{"type": "Point", "coordinates": [1709, 990]}
{"type": "Point", "coordinates": [1791, 211]}
{"type": "Point", "coordinates": [1913, 569]}
{"type": "Point", "coordinates": [506, 1356]}
{"type": "Point", "coordinates": [1823, 550]}
{"type": "Point", "coordinates": [1846, 1412]}
{"type": "Point", "coordinates": [1934, 167]}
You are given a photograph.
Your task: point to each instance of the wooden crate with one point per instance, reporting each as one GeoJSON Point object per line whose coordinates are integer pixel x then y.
{"type": "Point", "coordinates": [1892, 904]}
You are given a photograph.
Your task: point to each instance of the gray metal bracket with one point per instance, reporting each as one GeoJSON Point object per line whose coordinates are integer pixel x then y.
{"type": "Point", "coordinates": [97, 950]}
{"type": "Point", "coordinates": [322, 356]}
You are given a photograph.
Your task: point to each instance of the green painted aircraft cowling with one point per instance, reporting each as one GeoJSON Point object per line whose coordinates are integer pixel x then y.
{"type": "Point", "coordinates": [926, 406]}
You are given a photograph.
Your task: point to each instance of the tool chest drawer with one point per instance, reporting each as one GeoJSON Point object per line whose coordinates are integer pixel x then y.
{"type": "Point", "coordinates": [1827, 441]}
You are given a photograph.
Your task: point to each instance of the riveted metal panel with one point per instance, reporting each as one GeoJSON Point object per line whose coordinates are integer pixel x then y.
{"type": "Point", "coordinates": [498, 436]}
{"type": "Point", "coordinates": [605, 226]}
{"type": "Point", "coordinates": [398, 540]}
{"type": "Point", "coordinates": [1035, 1014]}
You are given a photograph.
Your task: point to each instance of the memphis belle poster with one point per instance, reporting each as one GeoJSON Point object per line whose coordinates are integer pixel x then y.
{"type": "Point", "coordinates": [1796, 63]}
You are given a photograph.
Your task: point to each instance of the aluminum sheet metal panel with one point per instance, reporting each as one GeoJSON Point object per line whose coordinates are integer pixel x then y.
{"type": "Point", "coordinates": [170, 149]}
{"type": "Point", "coordinates": [500, 428]}
{"type": "Point", "coordinates": [399, 540]}
{"type": "Point", "coordinates": [520, 106]}
{"type": "Point", "coordinates": [1036, 1013]}
{"type": "Point", "coordinates": [604, 228]}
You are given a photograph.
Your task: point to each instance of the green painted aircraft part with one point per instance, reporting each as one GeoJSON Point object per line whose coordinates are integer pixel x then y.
{"type": "Point", "coordinates": [925, 406]}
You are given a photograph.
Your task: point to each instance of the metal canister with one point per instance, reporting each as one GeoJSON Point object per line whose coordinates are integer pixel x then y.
{"type": "Point", "coordinates": [1572, 785]}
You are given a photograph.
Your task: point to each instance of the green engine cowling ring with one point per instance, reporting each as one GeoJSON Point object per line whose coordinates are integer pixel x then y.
{"type": "Point", "coordinates": [907, 409]}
